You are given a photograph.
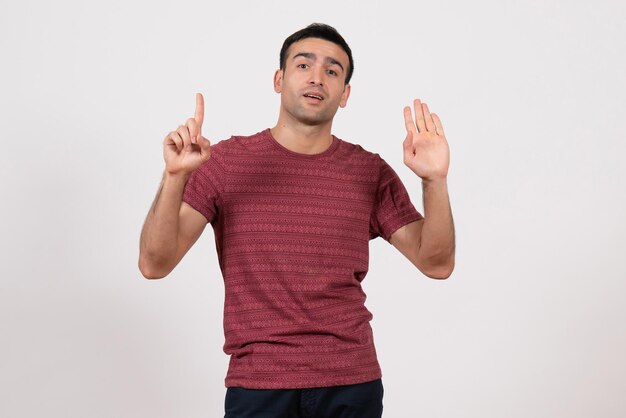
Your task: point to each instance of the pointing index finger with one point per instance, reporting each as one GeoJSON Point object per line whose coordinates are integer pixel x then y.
{"type": "Point", "coordinates": [199, 115]}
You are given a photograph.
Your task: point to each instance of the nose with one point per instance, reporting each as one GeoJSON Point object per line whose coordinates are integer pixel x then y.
{"type": "Point", "coordinates": [316, 76]}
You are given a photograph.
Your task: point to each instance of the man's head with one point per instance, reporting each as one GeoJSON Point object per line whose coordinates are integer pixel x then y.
{"type": "Point", "coordinates": [321, 31]}
{"type": "Point", "coordinates": [314, 74]}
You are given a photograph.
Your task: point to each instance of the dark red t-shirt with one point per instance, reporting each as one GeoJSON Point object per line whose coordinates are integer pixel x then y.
{"type": "Point", "coordinates": [292, 235]}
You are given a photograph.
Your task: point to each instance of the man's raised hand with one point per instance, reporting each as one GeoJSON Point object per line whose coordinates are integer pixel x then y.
{"type": "Point", "coordinates": [185, 149]}
{"type": "Point", "coordinates": [426, 150]}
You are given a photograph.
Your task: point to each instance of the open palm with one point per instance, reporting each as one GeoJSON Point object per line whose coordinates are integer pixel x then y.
{"type": "Point", "coordinates": [426, 150]}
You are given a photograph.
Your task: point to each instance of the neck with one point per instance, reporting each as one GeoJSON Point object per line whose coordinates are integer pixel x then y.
{"type": "Point", "coordinates": [301, 138]}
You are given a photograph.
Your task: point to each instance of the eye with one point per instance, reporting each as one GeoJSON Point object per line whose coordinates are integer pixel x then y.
{"type": "Point", "coordinates": [332, 72]}
{"type": "Point", "coordinates": [302, 66]}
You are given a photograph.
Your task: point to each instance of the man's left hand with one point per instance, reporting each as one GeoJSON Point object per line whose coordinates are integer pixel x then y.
{"type": "Point", "coordinates": [426, 150]}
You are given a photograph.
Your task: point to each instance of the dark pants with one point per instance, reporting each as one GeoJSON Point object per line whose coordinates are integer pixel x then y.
{"type": "Point", "coordinates": [363, 400]}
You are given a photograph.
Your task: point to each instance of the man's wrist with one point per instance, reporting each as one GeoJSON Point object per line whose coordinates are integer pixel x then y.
{"type": "Point", "coordinates": [175, 178]}
{"type": "Point", "coordinates": [434, 182]}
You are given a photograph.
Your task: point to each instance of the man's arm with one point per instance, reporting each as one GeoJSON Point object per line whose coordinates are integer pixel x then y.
{"type": "Point", "coordinates": [428, 243]}
{"type": "Point", "coordinates": [170, 229]}
{"type": "Point", "coordinates": [173, 226]}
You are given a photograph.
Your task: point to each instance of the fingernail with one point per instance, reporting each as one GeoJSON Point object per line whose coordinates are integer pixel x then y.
{"type": "Point", "coordinates": [193, 139]}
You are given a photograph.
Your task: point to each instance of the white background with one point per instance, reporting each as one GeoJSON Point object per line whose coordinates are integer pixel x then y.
{"type": "Point", "coordinates": [532, 97]}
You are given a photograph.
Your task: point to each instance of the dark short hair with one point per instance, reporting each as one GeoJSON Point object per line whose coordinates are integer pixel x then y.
{"type": "Point", "coordinates": [321, 31]}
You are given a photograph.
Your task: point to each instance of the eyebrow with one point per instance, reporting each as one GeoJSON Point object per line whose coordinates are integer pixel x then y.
{"type": "Point", "coordinates": [312, 56]}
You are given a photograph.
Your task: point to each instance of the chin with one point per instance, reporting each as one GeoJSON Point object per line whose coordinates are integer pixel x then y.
{"type": "Point", "coordinates": [313, 119]}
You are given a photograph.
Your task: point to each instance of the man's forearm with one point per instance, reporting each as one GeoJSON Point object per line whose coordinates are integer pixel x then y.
{"type": "Point", "coordinates": [437, 243]}
{"type": "Point", "coordinates": [160, 231]}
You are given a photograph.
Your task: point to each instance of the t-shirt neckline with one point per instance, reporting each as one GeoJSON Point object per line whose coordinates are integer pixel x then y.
{"type": "Point", "coordinates": [333, 146]}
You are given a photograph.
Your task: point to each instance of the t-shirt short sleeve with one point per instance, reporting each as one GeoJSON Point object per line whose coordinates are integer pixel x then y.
{"type": "Point", "coordinates": [393, 207]}
{"type": "Point", "coordinates": [202, 190]}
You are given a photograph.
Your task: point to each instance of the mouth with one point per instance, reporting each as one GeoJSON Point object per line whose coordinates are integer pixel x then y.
{"type": "Point", "coordinates": [313, 95]}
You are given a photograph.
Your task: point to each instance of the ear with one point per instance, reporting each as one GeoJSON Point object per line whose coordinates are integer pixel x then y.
{"type": "Point", "coordinates": [278, 81]}
{"type": "Point", "coordinates": [345, 95]}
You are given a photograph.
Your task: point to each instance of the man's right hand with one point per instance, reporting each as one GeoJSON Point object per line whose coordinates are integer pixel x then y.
{"type": "Point", "coordinates": [185, 149]}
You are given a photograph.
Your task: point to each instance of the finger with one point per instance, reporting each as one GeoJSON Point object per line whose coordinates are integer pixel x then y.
{"type": "Point", "coordinates": [174, 139]}
{"type": "Point", "coordinates": [199, 115]}
{"type": "Point", "coordinates": [408, 120]}
{"type": "Point", "coordinates": [407, 144]}
{"type": "Point", "coordinates": [205, 145]}
{"type": "Point", "coordinates": [419, 115]}
{"type": "Point", "coordinates": [183, 131]}
{"type": "Point", "coordinates": [438, 124]}
{"type": "Point", "coordinates": [194, 130]}
{"type": "Point", "coordinates": [430, 125]}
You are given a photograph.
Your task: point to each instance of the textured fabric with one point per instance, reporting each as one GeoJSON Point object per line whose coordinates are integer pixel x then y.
{"type": "Point", "coordinates": [292, 236]}
{"type": "Point", "coordinates": [363, 400]}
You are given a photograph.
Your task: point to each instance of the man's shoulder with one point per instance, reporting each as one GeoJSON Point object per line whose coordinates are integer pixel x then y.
{"type": "Point", "coordinates": [237, 143]}
{"type": "Point", "coordinates": [228, 151]}
{"type": "Point", "coordinates": [357, 151]}
{"type": "Point", "coordinates": [257, 143]}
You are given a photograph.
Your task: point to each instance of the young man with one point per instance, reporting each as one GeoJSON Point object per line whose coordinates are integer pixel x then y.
{"type": "Point", "coordinates": [293, 209]}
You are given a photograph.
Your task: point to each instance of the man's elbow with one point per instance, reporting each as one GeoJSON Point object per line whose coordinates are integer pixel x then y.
{"type": "Point", "coordinates": [150, 270]}
{"type": "Point", "coordinates": [439, 274]}
{"type": "Point", "coordinates": [151, 275]}
{"type": "Point", "coordinates": [440, 271]}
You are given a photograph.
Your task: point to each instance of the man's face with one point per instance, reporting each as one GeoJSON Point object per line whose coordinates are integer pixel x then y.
{"type": "Point", "coordinates": [312, 82]}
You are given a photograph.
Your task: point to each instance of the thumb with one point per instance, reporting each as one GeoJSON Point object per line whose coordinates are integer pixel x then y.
{"type": "Point", "coordinates": [204, 143]}
{"type": "Point", "coordinates": [407, 144]}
